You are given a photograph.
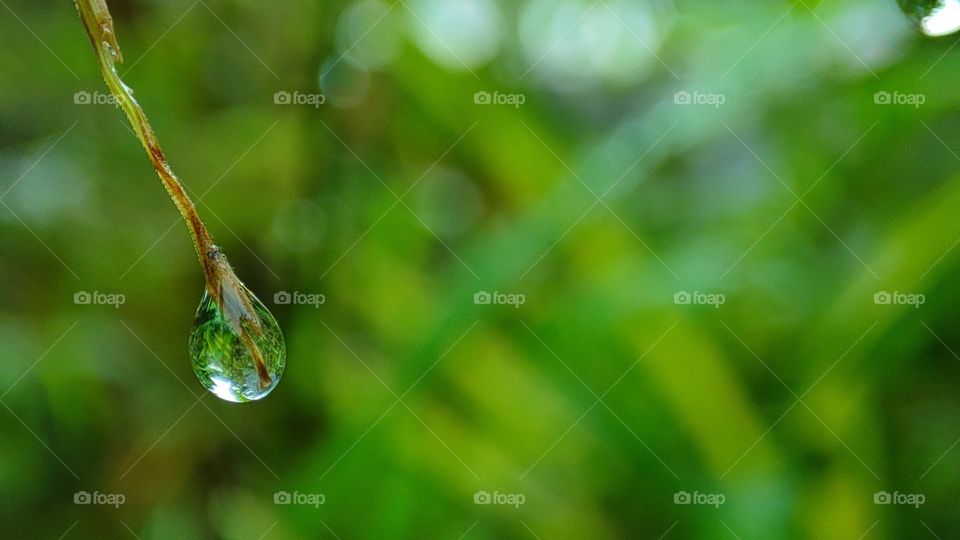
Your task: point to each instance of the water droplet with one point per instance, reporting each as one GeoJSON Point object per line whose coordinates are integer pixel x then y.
{"type": "Point", "coordinates": [933, 17]}
{"type": "Point", "coordinates": [236, 347]}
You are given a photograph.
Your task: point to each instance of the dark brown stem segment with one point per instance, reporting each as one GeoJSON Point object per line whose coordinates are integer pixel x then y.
{"type": "Point", "coordinates": [220, 279]}
{"type": "Point", "coordinates": [99, 25]}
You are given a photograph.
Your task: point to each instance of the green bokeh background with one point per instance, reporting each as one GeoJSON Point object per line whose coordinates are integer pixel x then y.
{"type": "Point", "coordinates": [598, 199]}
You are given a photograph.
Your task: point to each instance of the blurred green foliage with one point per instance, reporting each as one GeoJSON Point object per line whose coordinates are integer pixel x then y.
{"type": "Point", "coordinates": [812, 188]}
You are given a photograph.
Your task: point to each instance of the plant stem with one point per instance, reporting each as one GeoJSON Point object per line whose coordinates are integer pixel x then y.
{"type": "Point", "coordinates": [99, 25]}
{"type": "Point", "coordinates": [221, 282]}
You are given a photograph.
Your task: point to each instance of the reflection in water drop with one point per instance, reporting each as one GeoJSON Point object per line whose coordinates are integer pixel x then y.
{"type": "Point", "coordinates": [933, 17]}
{"type": "Point", "coordinates": [224, 347]}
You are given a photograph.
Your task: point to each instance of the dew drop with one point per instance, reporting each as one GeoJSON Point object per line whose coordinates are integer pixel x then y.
{"type": "Point", "coordinates": [236, 353]}
{"type": "Point", "coordinates": [933, 17]}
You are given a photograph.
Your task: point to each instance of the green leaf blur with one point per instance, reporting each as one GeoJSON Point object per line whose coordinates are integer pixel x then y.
{"type": "Point", "coordinates": [544, 269]}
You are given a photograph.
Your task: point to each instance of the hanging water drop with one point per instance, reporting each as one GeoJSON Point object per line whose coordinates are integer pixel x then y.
{"type": "Point", "coordinates": [224, 360]}
{"type": "Point", "coordinates": [236, 347]}
{"type": "Point", "coordinates": [933, 17]}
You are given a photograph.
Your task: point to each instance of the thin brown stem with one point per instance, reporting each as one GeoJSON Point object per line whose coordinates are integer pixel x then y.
{"type": "Point", "coordinates": [221, 282]}
{"type": "Point", "coordinates": [99, 26]}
